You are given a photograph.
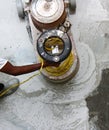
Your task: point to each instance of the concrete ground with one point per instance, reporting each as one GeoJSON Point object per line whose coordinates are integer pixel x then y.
{"type": "Point", "coordinates": [90, 25]}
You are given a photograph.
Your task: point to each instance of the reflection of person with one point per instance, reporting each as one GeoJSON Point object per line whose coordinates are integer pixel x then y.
{"type": "Point", "coordinates": [8, 68]}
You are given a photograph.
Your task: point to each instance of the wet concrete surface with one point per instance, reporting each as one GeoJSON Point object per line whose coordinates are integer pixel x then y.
{"type": "Point", "coordinates": [90, 25]}
{"type": "Point", "coordinates": [98, 104]}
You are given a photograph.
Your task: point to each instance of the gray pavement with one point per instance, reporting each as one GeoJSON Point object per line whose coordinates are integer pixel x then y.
{"type": "Point", "coordinates": [90, 25]}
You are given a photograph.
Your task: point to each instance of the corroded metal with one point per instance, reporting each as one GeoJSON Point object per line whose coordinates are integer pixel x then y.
{"type": "Point", "coordinates": [47, 14]}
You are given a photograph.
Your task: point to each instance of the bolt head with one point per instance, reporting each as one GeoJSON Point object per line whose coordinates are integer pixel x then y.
{"type": "Point", "coordinates": [56, 59]}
